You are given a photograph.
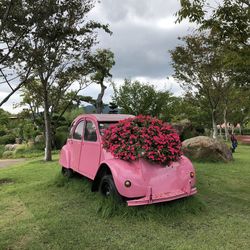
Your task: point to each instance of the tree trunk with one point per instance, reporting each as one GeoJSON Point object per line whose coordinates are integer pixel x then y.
{"type": "Point", "coordinates": [225, 122]}
{"type": "Point", "coordinates": [220, 132]}
{"type": "Point", "coordinates": [48, 149]}
{"type": "Point", "coordinates": [215, 134]}
{"type": "Point", "coordinates": [232, 129]}
{"type": "Point", "coordinates": [240, 131]}
{"type": "Point", "coordinates": [99, 103]}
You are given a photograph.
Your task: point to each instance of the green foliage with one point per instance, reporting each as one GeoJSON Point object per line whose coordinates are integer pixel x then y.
{"type": "Point", "coordinates": [7, 139]}
{"type": "Point", "coordinates": [60, 139]}
{"type": "Point", "coordinates": [4, 117]}
{"type": "Point", "coordinates": [72, 114]}
{"type": "Point", "coordinates": [139, 98]}
{"type": "Point", "coordinates": [2, 131]}
{"type": "Point", "coordinates": [229, 21]}
{"type": "Point", "coordinates": [100, 64]}
{"type": "Point", "coordinates": [8, 154]}
{"type": "Point", "coordinates": [1, 150]}
{"type": "Point", "coordinates": [246, 131]}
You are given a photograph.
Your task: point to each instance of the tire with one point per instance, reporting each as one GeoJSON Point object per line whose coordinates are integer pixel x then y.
{"type": "Point", "coordinates": [67, 172]}
{"type": "Point", "coordinates": [108, 189]}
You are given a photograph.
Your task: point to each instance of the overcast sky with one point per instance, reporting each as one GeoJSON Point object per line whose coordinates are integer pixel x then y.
{"type": "Point", "coordinates": [143, 33]}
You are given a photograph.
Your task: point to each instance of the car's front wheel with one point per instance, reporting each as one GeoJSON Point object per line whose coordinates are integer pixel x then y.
{"type": "Point", "coordinates": [108, 189]}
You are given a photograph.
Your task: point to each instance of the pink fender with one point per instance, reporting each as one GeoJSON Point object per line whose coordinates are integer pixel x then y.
{"type": "Point", "coordinates": [123, 171]}
{"type": "Point", "coordinates": [64, 159]}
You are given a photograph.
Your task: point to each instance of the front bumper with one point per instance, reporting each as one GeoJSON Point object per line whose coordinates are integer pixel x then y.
{"type": "Point", "coordinates": [163, 197]}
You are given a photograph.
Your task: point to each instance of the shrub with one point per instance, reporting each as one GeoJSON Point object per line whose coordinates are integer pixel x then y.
{"type": "Point", "coordinates": [7, 139]}
{"type": "Point", "coordinates": [246, 131]}
{"type": "Point", "coordinates": [143, 137]}
{"type": "Point", "coordinates": [1, 150]}
{"type": "Point", "coordinates": [60, 139]}
{"type": "Point", "coordinates": [20, 149]}
{"type": "Point", "coordinates": [2, 132]}
{"type": "Point", "coordinates": [8, 154]}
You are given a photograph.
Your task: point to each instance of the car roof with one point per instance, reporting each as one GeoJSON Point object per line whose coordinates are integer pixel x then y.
{"type": "Point", "coordinates": [106, 117]}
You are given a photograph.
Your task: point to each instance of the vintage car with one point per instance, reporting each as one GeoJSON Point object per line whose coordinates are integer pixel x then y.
{"type": "Point", "coordinates": [138, 182]}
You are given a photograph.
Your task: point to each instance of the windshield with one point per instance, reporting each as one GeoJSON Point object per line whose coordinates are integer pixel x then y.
{"type": "Point", "coordinates": [105, 125]}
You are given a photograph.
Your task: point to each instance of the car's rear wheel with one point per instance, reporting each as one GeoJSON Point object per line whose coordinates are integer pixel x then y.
{"type": "Point", "coordinates": [108, 189]}
{"type": "Point", "coordinates": [67, 172]}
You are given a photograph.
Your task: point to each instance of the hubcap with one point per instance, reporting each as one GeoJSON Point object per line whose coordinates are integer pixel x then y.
{"type": "Point", "coordinates": [106, 189]}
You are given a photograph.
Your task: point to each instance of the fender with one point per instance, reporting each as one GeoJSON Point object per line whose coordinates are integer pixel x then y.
{"type": "Point", "coordinates": [64, 159]}
{"type": "Point", "coordinates": [123, 171]}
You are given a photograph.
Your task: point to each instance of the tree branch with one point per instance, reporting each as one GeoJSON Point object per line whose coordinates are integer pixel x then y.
{"type": "Point", "coordinates": [16, 88]}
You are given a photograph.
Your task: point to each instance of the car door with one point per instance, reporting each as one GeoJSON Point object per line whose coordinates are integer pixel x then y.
{"type": "Point", "coordinates": [91, 150]}
{"type": "Point", "coordinates": [76, 144]}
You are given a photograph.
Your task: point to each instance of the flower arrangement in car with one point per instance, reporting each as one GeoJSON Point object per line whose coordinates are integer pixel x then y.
{"type": "Point", "coordinates": [143, 137]}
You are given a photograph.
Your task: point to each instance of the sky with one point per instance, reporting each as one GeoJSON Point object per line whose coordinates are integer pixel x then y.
{"type": "Point", "coordinates": [143, 33]}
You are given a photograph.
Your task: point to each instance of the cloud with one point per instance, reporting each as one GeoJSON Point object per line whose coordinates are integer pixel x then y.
{"type": "Point", "coordinates": [143, 33]}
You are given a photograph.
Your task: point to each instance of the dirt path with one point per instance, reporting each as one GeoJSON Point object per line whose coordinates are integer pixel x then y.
{"type": "Point", "coordinates": [9, 162]}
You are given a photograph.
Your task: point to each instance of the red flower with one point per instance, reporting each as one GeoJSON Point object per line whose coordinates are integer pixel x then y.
{"type": "Point", "coordinates": [143, 137]}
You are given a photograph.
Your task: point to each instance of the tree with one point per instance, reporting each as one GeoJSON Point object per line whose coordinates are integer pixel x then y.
{"type": "Point", "coordinates": [229, 21]}
{"type": "Point", "coordinates": [136, 98]}
{"type": "Point", "coordinates": [56, 47]}
{"type": "Point", "coordinates": [60, 99]}
{"type": "Point", "coordinates": [4, 117]}
{"type": "Point", "coordinates": [100, 63]}
{"type": "Point", "coordinates": [198, 68]}
{"type": "Point", "coordinates": [13, 17]}
{"type": "Point", "coordinates": [113, 108]}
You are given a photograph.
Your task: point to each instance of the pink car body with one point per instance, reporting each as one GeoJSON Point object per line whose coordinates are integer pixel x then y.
{"type": "Point", "coordinates": [140, 182]}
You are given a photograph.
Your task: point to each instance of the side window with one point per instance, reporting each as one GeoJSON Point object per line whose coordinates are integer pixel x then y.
{"type": "Point", "coordinates": [77, 135]}
{"type": "Point", "coordinates": [90, 132]}
{"type": "Point", "coordinates": [71, 131]}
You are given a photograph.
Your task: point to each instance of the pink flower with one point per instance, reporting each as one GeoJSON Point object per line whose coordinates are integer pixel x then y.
{"type": "Point", "coordinates": [143, 137]}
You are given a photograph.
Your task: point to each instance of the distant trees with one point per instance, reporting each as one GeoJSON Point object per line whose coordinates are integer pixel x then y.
{"type": "Point", "coordinates": [198, 67]}
{"type": "Point", "coordinates": [134, 97]}
{"type": "Point", "coordinates": [229, 21]}
{"type": "Point", "coordinates": [100, 64]}
{"type": "Point", "coordinates": [55, 48]}
{"type": "Point", "coordinates": [214, 63]}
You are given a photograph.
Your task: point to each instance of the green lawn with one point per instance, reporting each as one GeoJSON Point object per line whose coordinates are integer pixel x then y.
{"type": "Point", "coordinates": [39, 209]}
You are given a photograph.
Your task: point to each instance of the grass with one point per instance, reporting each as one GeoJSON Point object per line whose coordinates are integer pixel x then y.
{"type": "Point", "coordinates": [42, 210]}
{"type": "Point", "coordinates": [22, 151]}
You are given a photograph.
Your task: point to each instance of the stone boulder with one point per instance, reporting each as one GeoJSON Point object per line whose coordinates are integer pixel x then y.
{"type": "Point", "coordinates": [203, 148]}
{"type": "Point", "coordinates": [10, 147]}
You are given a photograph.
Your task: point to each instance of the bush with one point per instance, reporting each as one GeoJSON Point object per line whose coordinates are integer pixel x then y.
{"type": "Point", "coordinates": [1, 150]}
{"type": "Point", "coordinates": [8, 154]}
{"type": "Point", "coordinates": [2, 132]}
{"type": "Point", "coordinates": [60, 139]}
{"type": "Point", "coordinates": [143, 137]}
{"type": "Point", "coordinates": [64, 129]}
{"type": "Point", "coordinates": [7, 139]}
{"type": "Point", "coordinates": [246, 131]}
{"type": "Point", "coordinates": [20, 149]}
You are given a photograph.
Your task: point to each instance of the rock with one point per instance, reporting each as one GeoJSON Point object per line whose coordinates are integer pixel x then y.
{"type": "Point", "coordinates": [203, 148]}
{"type": "Point", "coordinates": [39, 139]}
{"type": "Point", "coordinates": [10, 147]}
{"type": "Point", "coordinates": [18, 140]}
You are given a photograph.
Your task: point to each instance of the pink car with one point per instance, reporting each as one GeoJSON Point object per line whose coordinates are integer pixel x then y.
{"type": "Point", "coordinates": [138, 182]}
